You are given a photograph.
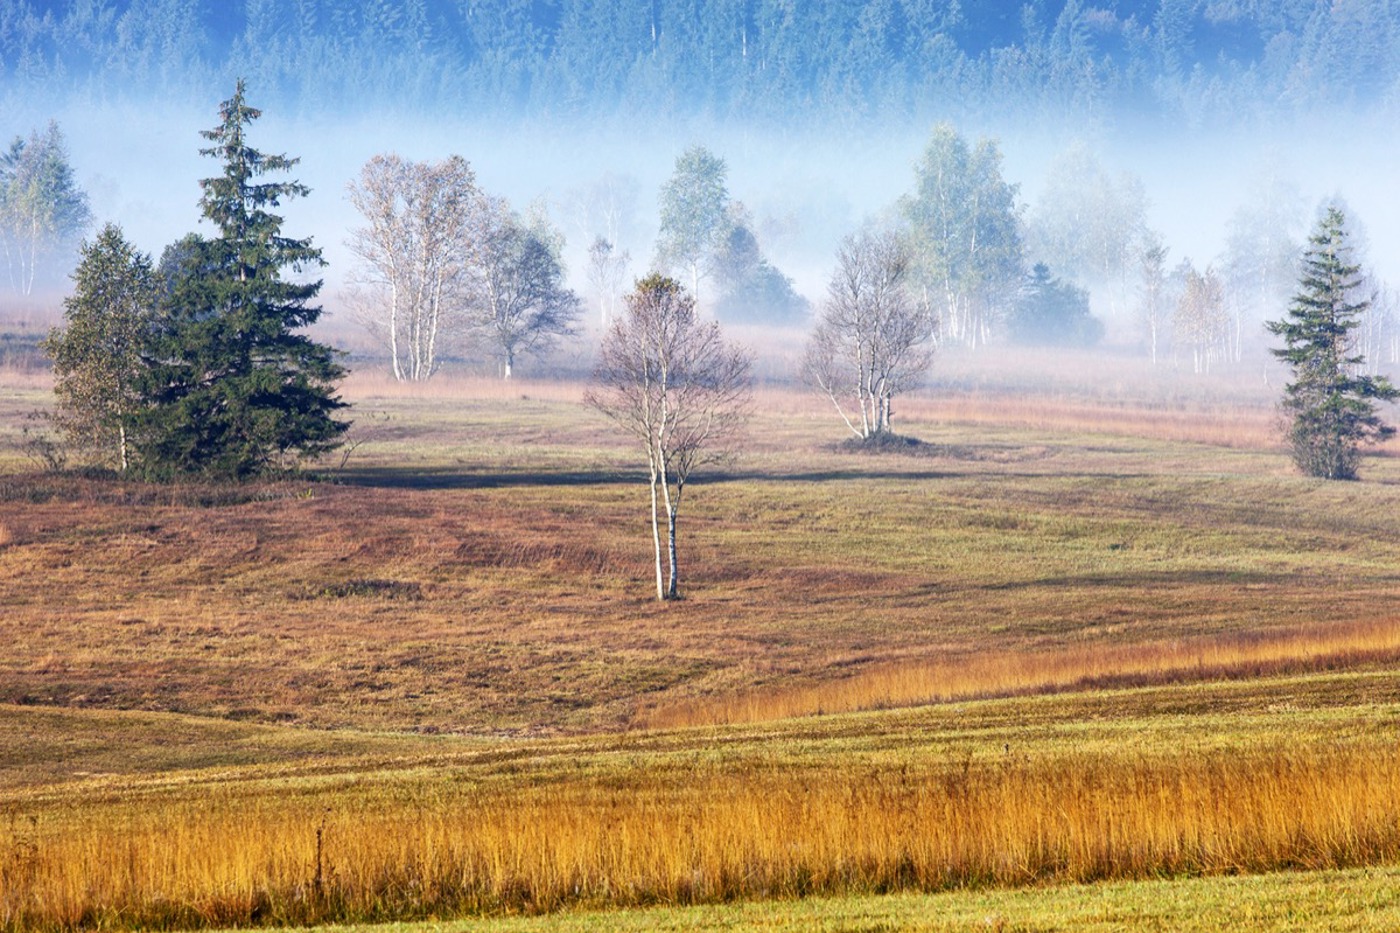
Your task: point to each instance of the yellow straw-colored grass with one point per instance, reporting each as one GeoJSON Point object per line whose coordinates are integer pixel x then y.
{"type": "Point", "coordinates": [912, 683]}
{"type": "Point", "coordinates": [633, 837]}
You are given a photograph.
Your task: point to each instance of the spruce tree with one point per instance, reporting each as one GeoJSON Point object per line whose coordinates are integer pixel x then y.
{"type": "Point", "coordinates": [1332, 404]}
{"type": "Point", "coordinates": [235, 389]}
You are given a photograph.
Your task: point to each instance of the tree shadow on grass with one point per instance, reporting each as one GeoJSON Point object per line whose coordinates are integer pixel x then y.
{"type": "Point", "coordinates": [1155, 580]}
{"type": "Point", "coordinates": [458, 478]}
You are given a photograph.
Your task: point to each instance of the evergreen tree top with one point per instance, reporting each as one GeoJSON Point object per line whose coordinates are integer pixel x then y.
{"type": "Point", "coordinates": [1324, 311]}
{"type": "Point", "coordinates": [232, 200]}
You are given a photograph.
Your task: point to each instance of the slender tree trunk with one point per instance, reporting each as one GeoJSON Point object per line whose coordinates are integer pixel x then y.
{"type": "Point", "coordinates": [656, 535]}
{"type": "Point", "coordinates": [394, 327]}
{"type": "Point", "coordinates": [28, 273]}
{"type": "Point", "coordinates": [673, 587]}
{"type": "Point", "coordinates": [671, 505]}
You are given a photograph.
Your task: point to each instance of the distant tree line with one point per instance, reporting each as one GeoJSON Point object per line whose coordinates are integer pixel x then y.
{"type": "Point", "coordinates": [771, 58]}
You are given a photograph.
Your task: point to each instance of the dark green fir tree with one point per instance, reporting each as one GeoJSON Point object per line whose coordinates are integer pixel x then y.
{"type": "Point", "coordinates": [1330, 400]}
{"type": "Point", "coordinates": [236, 389]}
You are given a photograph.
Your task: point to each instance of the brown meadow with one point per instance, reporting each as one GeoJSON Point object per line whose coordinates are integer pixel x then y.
{"type": "Point", "coordinates": [433, 682]}
{"type": "Point", "coordinates": [1331, 647]}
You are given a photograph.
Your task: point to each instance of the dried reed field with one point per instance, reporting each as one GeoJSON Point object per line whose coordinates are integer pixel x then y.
{"type": "Point", "coordinates": [1069, 637]}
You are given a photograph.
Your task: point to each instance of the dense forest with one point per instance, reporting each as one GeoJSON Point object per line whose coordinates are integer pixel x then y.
{"type": "Point", "coordinates": [1201, 61]}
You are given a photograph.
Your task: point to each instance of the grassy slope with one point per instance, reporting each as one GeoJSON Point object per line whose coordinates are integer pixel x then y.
{"type": "Point", "coordinates": [496, 578]}
{"type": "Point", "coordinates": [1355, 901]}
{"type": "Point", "coordinates": [496, 583]}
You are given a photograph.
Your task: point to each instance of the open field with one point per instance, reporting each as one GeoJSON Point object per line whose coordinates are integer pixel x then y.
{"type": "Point", "coordinates": [436, 683]}
{"type": "Point", "coordinates": [1358, 901]}
{"type": "Point", "coordinates": [1213, 779]}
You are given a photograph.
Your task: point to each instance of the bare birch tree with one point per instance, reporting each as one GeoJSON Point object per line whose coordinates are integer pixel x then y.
{"type": "Point", "coordinates": [674, 384]}
{"type": "Point", "coordinates": [421, 235]}
{"type": "Point", "coordinates": [875, 338]}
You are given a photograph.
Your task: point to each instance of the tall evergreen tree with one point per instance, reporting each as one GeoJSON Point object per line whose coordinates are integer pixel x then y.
{"type": "Point", "coordinates": [235, 390]}
{"type": "Point", "coordinates": [1331, 402]}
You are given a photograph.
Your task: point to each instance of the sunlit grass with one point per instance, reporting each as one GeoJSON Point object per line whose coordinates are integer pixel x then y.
{"type": "Point", "coordinates": [477, 569]}
{"type": "Point", "coordinates": [1350, 901]}
{"type": "Point", "coordinates": [1248, 777]}
{"type": "Point", "coordinates": [913, 683]}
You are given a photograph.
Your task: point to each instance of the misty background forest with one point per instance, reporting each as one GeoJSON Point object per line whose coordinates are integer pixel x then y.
{"type": "Point", "coordinates": [1193, 60]}
{"type": "Point", "coordinates": [1163, 161]}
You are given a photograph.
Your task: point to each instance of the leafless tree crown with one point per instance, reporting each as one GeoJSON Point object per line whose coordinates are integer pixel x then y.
{"type": "Point", "coordinates": [675, 385]}
{"type": "Point", "coordinates": [875, 338]}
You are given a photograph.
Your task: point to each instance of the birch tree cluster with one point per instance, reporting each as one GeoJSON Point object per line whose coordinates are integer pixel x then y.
{"type": "Point", "coordinates": [963, 227]}
{"type": "Point", "coordinates": [446, 268]}
{"type": "Point", "coordinates": [1200, 322]}
{"type": "Point", "coordinates": [874, 338]}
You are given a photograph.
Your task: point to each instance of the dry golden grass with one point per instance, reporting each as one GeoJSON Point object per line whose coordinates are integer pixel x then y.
{"type": "Point", "coordinates": [1302, 773]}
{"type": "Point", "coordinates": [1218, 424]}
{"type": "Point", "coordinates": [480, 566]}
{"type": "Point", "coordinates": [913, 683]}
{"type": "Point", "coordinates": [225, 861]}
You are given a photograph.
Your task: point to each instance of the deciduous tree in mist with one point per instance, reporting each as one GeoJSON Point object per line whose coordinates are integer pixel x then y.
{"type": "Point", "coordinates": [423, 224]}
{"type": "Point", "coordinates": [694, 214]}
{"type": "Point", "coordinates": [1331, 402]}
{"type": "Point", "coordinates": [97, 355]}
{"type": "Point", "coordinates": [674, 384]}
{"type": "Point", "coordinates": [965, 231]}
{"type": "Point", "coordinates": [519, 301]}
{"type": "Point", "coordinates": [1089, 224]}
{"type": "Point", "coordinates": [1378, 336]}
{"type": "Point", "coordinates": [42, 210]}
{"type": "Point", "coordinates": [605, 207]}
{"type": "Point", "coordinates": [875, 336]}
{"type": "Point", "coordinates": [607, 269]}
{"type": "Point", "coordinates": [1153, 299]}
{"type": "Point", "coordinates": [1260, 263]}
{"type": "Point", "coordinates": [1200, 323]}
